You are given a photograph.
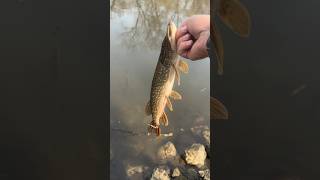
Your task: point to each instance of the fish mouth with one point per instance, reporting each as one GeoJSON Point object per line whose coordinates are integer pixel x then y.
{"type": "Point", "coordinates": [171, 32]}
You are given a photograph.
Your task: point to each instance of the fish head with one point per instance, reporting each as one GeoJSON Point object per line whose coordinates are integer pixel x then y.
{"type": "Point", "coordinates": [171, 34]}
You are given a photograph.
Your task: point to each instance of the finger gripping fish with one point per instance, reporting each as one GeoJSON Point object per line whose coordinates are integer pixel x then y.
{"type": "Point", "coordinates": [167, 70]}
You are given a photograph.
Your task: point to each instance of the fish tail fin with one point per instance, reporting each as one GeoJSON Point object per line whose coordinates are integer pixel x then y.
{"type": "Point", "coordinates": [158, 131]}
{"type": "Point", "coordinates": [164, 119]}
{"type": "Point", "coordinates": [154, 128]}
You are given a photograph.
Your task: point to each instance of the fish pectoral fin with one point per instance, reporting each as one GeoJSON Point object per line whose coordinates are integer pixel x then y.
{"type": "Point", "coordinates": [148, 109]}
{"type": "Point", "coordinates": [169, 105]}
{"type": "Point", "coordinates": [164, 119]}
{"type": "Point", "coordinates": [183, 66]}
{"type": "Point", "coordinates": [175, 95]}
{"type": "Point", "coordinates": [177, 74]}
{"type": "Point", "coordinates": [236, 16]}
{"type": "Point", "coordinates": [218, 110]}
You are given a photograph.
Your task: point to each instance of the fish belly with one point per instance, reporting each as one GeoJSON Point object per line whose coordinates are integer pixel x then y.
{"type": "Point", "coordinates": [164, 94]}
{"type": "Point", "coordinates": [170, 82]}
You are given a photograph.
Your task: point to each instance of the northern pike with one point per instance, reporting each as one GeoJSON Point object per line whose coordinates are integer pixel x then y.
{"type": "Point", "coordinates": [236, 17]}
{"type": "Point", "coordinates": [167, 70]}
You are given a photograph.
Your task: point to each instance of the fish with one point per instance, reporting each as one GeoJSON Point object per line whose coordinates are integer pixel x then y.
{"type": "Point", "coordinates": [236, 17]}
{"type": "Point", "coordinates": [167, 71]}
{"type": "Point", "coordinates": [215, 37]}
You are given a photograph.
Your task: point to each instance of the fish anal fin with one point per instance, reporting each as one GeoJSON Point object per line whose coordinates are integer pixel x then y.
{"type": "Point", "coordinates": [183, 66]}
{"type": "Point", "coordinates": [164, 119]}
{"type": "Point", "coordinates": [175, 95]}
{"type": "Point", "coordinates": [169, 104]}
{"type": "Point", "coordinates": [218, 110]}
{"type": "Point", "coordinates": [148, 109]}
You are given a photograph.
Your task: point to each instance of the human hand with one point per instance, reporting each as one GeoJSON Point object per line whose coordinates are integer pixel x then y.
{"type": "Point", "coordinates": [192, 37]}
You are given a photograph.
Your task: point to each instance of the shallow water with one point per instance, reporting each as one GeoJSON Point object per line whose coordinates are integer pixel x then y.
{"type": "Point", "coordinates": [137, 30]}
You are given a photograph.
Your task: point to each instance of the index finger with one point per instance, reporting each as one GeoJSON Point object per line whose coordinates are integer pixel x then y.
{"type": "Point", "coordinates": [182, 30]}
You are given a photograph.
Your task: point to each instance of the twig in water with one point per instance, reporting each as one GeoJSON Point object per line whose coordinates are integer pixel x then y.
{"type": "Point", "coordinates": [298, 90]}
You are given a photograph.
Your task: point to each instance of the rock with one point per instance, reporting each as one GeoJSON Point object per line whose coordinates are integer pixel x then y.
{"type": "Point", "coordinates": [192, 174]}
{"type": "Point", "coordinates": [181, 178]}
{"type": "Point", "coordinates": [205, 174]}
{"type": "Point", "coordinates": [207, 147]}
{"type": "Point", "coordinates": [160, 174]}
{"type": "Point", "coordinates": [131, 170]}
{"type": "Point", "coordinates": [167, 151]}
{"type": "Point", "coordinates": [196, 155]}
{"type": "Point", "coordinates": [188, 173]}
{"type": "Point", "coordinates": [176, 172]}
{"type": "Point", "coordinates": [203, 132]}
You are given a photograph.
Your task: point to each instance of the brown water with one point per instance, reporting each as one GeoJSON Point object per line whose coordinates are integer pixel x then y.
{"type": "Point", "coordinates": [137, 30]}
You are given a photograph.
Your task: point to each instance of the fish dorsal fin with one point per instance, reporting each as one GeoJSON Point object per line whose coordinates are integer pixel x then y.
{"type": "Point", "coordinates": [148, 109]}
{"type": "Point", "coordinates": [218, 110]}
{"type": "Point", "coordinates": [236, 16]}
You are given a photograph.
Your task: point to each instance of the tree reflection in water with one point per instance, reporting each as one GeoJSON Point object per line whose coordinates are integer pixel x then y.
{"type": "Point", "coordinates": [151, 17]}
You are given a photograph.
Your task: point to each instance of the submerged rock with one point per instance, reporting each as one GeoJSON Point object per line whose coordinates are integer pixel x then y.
{"type": "Point", "coordinates": [167, 151]}
{"type": "Point", "coordinates": [207, 147]}
{"type": "Point", "coordinates": [188, 174]}
{"type": "Point", "coordinates": [180, 178]}
{"type": "Point", "coordinates": [192, 174]}
{"type": "Point", "coordinates": [205, 174]}
{"type": "Point", "coordinates": [160, 173]}
{"type": "Point", "coordinates": [206, 136]}
{"type": "Point", "coordinates": [176, 172]}
{"type": "Point", "coordinates": [203, 132]}
{"type": "Point", "coordinates": [196, 155]}
{"type": "Point", "coordinates": [132, 170]}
